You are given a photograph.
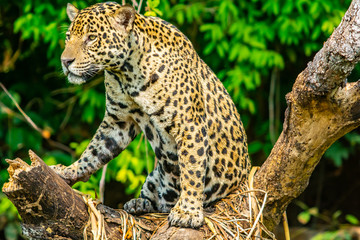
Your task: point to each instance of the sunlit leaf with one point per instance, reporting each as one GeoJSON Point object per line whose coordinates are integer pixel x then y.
{"type": "Point", "coordinates": [304, 217]}
{"type": "Point", "coordinates": [352, 219]}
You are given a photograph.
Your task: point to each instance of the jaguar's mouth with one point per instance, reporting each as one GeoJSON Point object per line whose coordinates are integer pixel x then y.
{"type": "Point", "coordinates": [84, 77]}
{"type": "Point", "coordinates": [75, 79]}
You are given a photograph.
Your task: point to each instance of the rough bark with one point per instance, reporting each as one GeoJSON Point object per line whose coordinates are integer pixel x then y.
{"type": "Point", "coordinates": [49, 208]}
{"type": "Point", "coordinates": [322, 107]}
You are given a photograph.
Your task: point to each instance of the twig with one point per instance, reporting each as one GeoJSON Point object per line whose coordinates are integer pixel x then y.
{"type": "Point", "coordinates": [139, 8]}
{"type": "Point", "coordinates": [135, 4]}
{"type": "Point", "coordinates": [22, 112]}
{"type": "Point", "coordinates": [286, 226]}
{"type": "Point", "coordinates": [68, 113]}
{"type": "Point", "coordinates": [258, 217]}
{"type": "Point", "coordinates": [60, 146]}
{"type": "Point", "coordinates": [102, 183]}
{"type": "Point", "coordinates": [44, 133]}
{"type": "Point", "coordinates": [9, 111]}
{"type": "Point", "coordinates": [272, 123]}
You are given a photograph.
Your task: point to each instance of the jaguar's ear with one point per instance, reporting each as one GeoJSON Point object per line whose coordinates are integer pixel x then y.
{"type": "Point", "coordinates": [71, 11]}
{"type": "Point", "coordinates": [124, 18]}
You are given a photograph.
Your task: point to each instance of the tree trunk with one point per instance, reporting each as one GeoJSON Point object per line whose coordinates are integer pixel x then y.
{"type": "Point", "coordinates": [322, 107]}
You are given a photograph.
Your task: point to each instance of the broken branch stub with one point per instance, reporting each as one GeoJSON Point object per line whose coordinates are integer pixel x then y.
{"type": "Point", "coordinates": [49, 208]}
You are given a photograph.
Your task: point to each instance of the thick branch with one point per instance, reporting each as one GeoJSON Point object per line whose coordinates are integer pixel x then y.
{"type": "Point", "coordinates": [335, 61]}
{"type": "Point", "coordinates": [48, 206]}
{"type": "Point", "coordinates": [50, 209]}
{"type": "Point", "coordinates": [322, 107]}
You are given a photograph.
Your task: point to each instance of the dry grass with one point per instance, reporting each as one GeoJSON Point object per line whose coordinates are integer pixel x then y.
{"type": "Point", "coordinates": [238, 216]}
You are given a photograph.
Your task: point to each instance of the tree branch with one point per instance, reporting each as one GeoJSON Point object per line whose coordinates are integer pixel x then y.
{"type": "Point", "coordinates": [49, 208]}
{"type": "Point", "coordinates": [322, 107]}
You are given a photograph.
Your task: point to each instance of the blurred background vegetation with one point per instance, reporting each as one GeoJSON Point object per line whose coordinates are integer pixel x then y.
{"type": "Point", "coordinates": [256, 47]}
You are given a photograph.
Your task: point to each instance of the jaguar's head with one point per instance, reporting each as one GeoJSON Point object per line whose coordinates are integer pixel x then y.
{"type": "Point", "coordinates": [96, 40]}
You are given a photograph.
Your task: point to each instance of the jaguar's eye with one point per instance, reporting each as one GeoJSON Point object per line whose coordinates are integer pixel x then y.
{"type": "Point", "coordinates": [92, 37]}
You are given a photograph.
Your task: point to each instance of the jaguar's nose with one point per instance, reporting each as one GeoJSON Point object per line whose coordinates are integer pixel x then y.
{"type": "Point", "coordinates": [67, 61]}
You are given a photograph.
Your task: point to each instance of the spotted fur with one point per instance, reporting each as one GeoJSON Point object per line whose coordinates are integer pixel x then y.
{"type": "Point", "coordinates": [156, 83]}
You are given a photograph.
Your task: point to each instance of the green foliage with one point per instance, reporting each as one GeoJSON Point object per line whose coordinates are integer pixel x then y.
{"type": "Point", "coordinates": [332, 235]}
{"type": "Point", "coordinates": [352, 219]}
{"type": "Point", "coordinates": [248, 37]}
{"type": "Point", "coordinates": [46, 19]}
{"type": "Point", "coordinates": [335, 229]}
{"type": "Point", "coordinates": [9, 220]}
{"type": "Point", "coordinates": [153, 8]}
{"type": "Point", "coordinates": [341, 150]}
{"type": "Point", "coordinates": [244, 41]}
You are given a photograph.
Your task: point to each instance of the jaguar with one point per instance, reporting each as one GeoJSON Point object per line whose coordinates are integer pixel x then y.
{"type": "Point", "coordinates": [157, 84]}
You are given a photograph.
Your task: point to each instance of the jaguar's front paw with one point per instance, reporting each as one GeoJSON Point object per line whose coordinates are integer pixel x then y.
{"type": "Point", "coordinates": [138, 206]}
{"type": "Point", "coordinates": [184, 218]}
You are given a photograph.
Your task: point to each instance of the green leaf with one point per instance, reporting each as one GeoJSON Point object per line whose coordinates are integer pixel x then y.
{"type": "Point", "coordinates": [314, 9]}
{"type": "Point", "coordinates": [88, 114]}
{"type": "Point", "coordinates": [150, 14]}
{"type": "Point", "coordinates": [220, 50]}
{"type": "Point", "coordinates": [314, 211]}
{"type": "Point", "coordinates": [84, 97]}
{"type": "Point", "coordinates": [336, 214]}
{"type": "Point", "coordinates": [209, 48]}
{"type": "Point", "coordinates": [234, 52]}
{"type": "Point", "coordinates": [251, 106]}
{"type": "Point", "coordinates": [352, 219]}
{"type": "Point", "coordinates": [158, 12]}
{"type": "Point", "coordinates": [180, 17]}
{"type": "Point", "coordinates": [80, 148]}
{"type": "Point", "coordinates": [304, 217]}
{"type": "Point", "coordinates": [353, 138]}
{"type": "Point", "coordinates": [153, 3]}
{"type": "Point", "coordinates": [331, 235]}
{"type": "Point", "coordinates": [18, 24]}
{"type": "Point", "coordinates": [27, 7]}
{"type": "Point", "coordinates": [244, 53]}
